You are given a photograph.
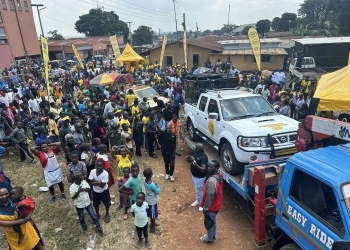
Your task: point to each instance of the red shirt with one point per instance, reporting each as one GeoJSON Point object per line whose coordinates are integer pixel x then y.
{"type": "Point", "coordinates": [28, 203]}
{"type": "Point", "coordinates": [212, 194]}
{"type": "Point", "coordinates": [42, 157]}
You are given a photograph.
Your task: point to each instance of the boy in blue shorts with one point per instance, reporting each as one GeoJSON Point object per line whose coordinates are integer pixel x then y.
{"type": "Point", "coordinates": [152, 193]}
{"type": "Point", "coordinates": [134, 183]}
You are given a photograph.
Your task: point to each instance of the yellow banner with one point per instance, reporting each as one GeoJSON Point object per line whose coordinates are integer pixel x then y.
{"type": "Point", "coordinates": [45, 51]}
{"type": "Point", "coordinates": [185, 48]}
{"type": "Point", "coordinates": [115, 47]}
{"type": "Point", "coordinates": [255, 42]}
{"type": "Point", "coordinates": [76, 53]}
{"type": "Point", "coordinates": [162, 53]}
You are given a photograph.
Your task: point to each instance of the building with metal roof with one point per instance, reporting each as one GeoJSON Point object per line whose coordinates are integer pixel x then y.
{"type": "Point", "coordinates": [323, 40]}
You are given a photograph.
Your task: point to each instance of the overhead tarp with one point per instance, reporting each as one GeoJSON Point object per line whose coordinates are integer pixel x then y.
{"type": "Point", "coordinates": [333, 90]}
{"type": "Point", "coordinates": [128, 56]}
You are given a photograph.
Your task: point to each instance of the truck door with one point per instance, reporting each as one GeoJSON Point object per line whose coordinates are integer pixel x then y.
{"type": "Point", "coordinates": [310, 211]}
{"type": "Point", "coordinates": [202, 117]}
{"type": "Point", "coordinates": [213, 126]}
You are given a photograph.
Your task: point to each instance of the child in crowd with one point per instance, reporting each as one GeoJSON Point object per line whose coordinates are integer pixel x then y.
{"type": "Point", "coordinates": [88, 157]}
{"type": "Point", "coordinates": [134, 183]}
{"type": "Point", "coordinates": [100, 192]}
{"type": "Point", "coordinates": [126, 197]}
{"type": "Point", "coordinates": [138, 210]}
{"type": "Point", "coordinates": [79, 191]}
{"type": "Point", "coordinates": [95, 142]}
{"type": "Point", "coordinates": [152, 192]}
{"type": "Point", "coordinates": [102, 149]}
{"type": "Point", "coordinates": [25, 207]}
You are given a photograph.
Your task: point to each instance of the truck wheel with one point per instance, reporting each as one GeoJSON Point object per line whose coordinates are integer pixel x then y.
{"type": "Point", "coordinates": [229, 161]}
{"type": "Point", "coordinates": [291, 246]}
{"type": "Point", "coordinates": [193, 132]}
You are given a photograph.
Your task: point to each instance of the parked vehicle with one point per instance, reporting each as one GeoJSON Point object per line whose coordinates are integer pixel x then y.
{"type": "Point", "coordinates": [241, 126]}
{"type": "Point", "coordinates": [142, 91]}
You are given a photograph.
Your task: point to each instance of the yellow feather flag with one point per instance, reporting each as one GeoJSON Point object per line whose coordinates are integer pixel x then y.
{"type": "Point", "coordinates": [255, 43]}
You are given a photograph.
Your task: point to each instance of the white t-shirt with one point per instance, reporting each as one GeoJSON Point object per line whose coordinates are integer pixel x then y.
{"type": "Point", "coordinates": [169, 91]}
{"type": "Point", "coordinates": [125, 134]}
{"type": "Point", "coordinates": [102, 177]}
{"type": "Point", "coordinates": [33, 104]}
{"type": "Point", "coordinates": [89, 157]}
{"type": "Point", "coordinates": [141, 218]}
{"type": "Point", "coordinates": [83, 199]}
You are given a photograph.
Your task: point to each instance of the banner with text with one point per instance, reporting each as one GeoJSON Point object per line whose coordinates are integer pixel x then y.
{"type": "Point", "coordinates": [115, 47]}
{"type": "Point", "coordinates": [162, 53]}
{"type": "Point", "coordinates": [76, 53]}
{"type": "Point", "coordinates": [255, 42]}
{"type": "Point", "coordinates": [45, 52]}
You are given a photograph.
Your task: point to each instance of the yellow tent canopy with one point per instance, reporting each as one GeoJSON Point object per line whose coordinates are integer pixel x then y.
{"type": "Point", "coordinates": [128, 56]}
{"type": "Point", "coordinates": [333, 90]}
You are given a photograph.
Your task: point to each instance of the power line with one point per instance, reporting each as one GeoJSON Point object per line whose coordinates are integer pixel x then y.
{"type": "Point", "coordinates": [128, 13]}
{"type": "Point", "coordinates": [142, 8]}
{"type": "Point", "coordinates": [57, 20]}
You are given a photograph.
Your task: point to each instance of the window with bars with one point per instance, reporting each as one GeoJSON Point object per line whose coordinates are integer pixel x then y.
{"type": "Point", "coordinates": [19, 7]}
{"type": "Point", "coordinates": [26, 8]}
{"type": "Point", "coordinates": [3, 5]}
{"type": "Point", "coordinates": [12, 5]}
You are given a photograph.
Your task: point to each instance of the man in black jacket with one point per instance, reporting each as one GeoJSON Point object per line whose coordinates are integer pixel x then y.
{"type": "Point", "coordinates": [168, 143]}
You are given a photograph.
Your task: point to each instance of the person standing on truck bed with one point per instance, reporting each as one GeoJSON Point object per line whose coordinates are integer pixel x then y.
{"type": "Point", "coordinates": [199, 171]}
{"type": "Point", "coordinates": [212, 199]}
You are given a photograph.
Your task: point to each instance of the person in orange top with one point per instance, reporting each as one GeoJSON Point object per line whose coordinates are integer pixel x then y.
{"type": "Point", "coordinates": [174, 126]}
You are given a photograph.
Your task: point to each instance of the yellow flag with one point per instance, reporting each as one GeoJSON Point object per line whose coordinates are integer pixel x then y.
{"type": "Point", "coordinates": [45, 51]}
{"type": "Point", "coordinates": [185, 48]}
{"type": "Point", "coordinates": [115, 47]}
{"type": "Point", "coordinates": [162, 53]}
{"type": "Point", "coordinates": [255, 42]}
{"type": "Point", "coordinates": [76, 53]}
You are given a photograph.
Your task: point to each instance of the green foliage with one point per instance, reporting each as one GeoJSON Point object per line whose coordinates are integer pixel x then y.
{"type": "Point", "coordinates": [142, 35]}
{"type": "Point", "coordinates": [314, 13]}
{"type": "Point", "coordinates": [54, 35]}
{"type": "Point", "coordinates": [228, 28]}
{"type": "Point", "coordinates": [341, 15]}
{"type": "Point", "coordinates": [101, 23]}
{"type": "Point", "coordinates": [246, 29]}
{"type": "Point", "coordinates": [284, 23]}
{"type": "Point", "coordinates": [263, 26]}
{"type": "Point", "coordinates": [275, 24]}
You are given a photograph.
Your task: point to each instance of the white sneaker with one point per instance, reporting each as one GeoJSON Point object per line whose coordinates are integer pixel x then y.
{"type": "Point", "coordinates": [172, 178]}
{"type": "Point", "coordinates": [167, 177]}
{"type": "Point", "coordinates": [200, 209]}
{"type": "Point", "coordinates": [112, 196]}
{"type": "Point", "coordinates": [112, 202]}
{"type": "Point", "coordinates": [194, 204]}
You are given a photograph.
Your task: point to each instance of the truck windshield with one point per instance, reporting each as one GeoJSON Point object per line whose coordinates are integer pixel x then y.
{"type": "Point", "coordinates": [239, 108]}
{"type": "Point", "coordinates": [149, 93]}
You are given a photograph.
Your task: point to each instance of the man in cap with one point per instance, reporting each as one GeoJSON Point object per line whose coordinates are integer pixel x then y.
{"type": "Point", "coordinates": [64, 130]}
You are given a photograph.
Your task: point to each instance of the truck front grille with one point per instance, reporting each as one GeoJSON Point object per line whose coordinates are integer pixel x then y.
{"type": "Point", "coordinates": [280, 139]}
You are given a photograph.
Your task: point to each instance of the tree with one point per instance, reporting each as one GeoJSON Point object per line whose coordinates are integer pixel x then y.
{"type": "Point", "coordinates": [142, 35]}
{"type": "Point", "coordinates": [228, 28]}
{"type": "Point", "coordinates": [54, 35]}
{"type": "Point", "coordinates": [314, 12]}
{"type": "Point", "coordinates": [342, 18]}
{"type": "Point", "coordinates": [101, 23]}
{"type": "Point", "coordinates": [263, 26]}
{"type": "Point", "coordinates": [275, 25]}
{"type": "Point", "coordinates": [246, 29]}
{"type": "Point", "coordinates": [288, 21]}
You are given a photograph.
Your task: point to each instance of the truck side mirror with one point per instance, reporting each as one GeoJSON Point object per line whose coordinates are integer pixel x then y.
{"type": "Point", "coordinates": [213, 116]}
{"type": "Point", "coordinates": [341, 245]}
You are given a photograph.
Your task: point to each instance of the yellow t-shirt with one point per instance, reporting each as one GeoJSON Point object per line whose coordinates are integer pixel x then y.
{"type": "Point", "coordinates": [124, 121]}
{"type": "Point", "coordinates": [130, 99]}
{"type": "Point", "coordinates": [144, 121]}
{"type": "Point", "coordinates": [53, 127]}
{"type": "Point", "coordinates": [122, 162]}
{"type": "Point", "coordinates": [306, 85]}
{"type": "Point", "coordinates": [135, 110]}
{"type": "Point", "coordinates": [41, 92]}
{"type": "Point", "coordinates": [59, 95]}
{"type": "Point", "coordinates": [80, 81]}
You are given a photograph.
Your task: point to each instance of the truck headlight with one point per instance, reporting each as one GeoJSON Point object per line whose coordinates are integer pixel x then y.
{"type": "Point", "coordinates": [253, 142]}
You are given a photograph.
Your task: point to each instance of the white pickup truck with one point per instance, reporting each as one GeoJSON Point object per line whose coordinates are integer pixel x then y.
{"type": "Point", "coordinates": [243, 127]}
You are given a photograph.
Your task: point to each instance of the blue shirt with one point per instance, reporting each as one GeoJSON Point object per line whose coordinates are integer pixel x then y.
{"type": "Point", "coordinates": [156, 87]}
{"type": "Point", "coordinates": [162, 125]}
{"type": "Point", "coordinates": [40, 140]}
{"type": "Point", "coordinates": [177, 99]}
{"type": "Point", "coordinates": [152, 192]}
{"type": "Point", "coordinates": [82, 108]}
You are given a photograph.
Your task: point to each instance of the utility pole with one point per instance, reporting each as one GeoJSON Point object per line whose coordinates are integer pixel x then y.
{"type": "Point", "coordinates": [130, 23]}
{"type": "Point", "coordinates": [184, 21]}
{"type": "Point", "coordinates": [37, 8]}
{"type": "Point", "coordinates": [159, 33]}
{"type": "Point", "coordinates": [197, 29]}
{"type": "Point", "coordinates": [228, 18]}
{"type": "Point", "coordinates": [177, 34]}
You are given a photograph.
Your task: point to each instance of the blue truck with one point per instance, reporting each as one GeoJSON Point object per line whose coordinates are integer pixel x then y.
{"type": "Point", "coordinates": [307, 195]}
